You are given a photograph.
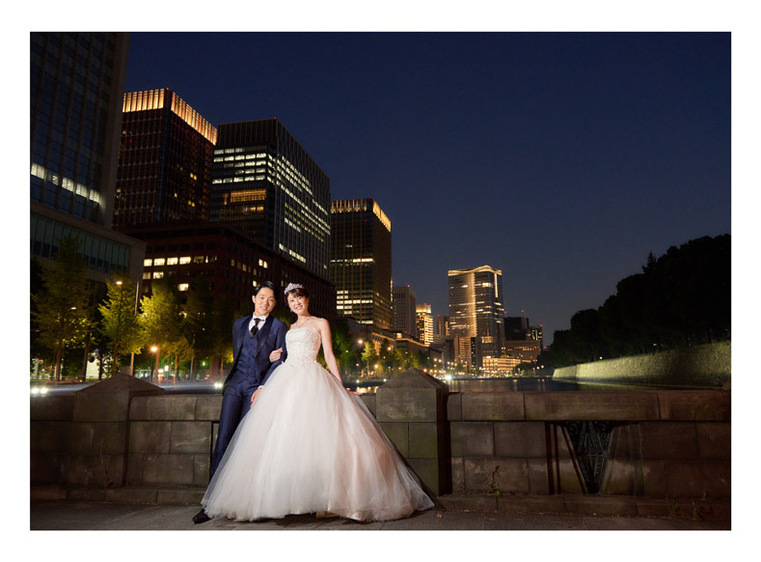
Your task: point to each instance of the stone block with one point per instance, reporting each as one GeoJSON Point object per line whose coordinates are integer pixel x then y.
{"type": "Point", "coordinates": [133, 495]}
{"type": "Point", "coordinates": [47, 467]}
{"type": "Point", "coordinates": [491, 474]}
{"type": "Point", "coordinates": [167, 470]}
{"type": "Point", "coordinates": [695, 405]}
{"type": "Point", "coordinates": [458, 475]}
{"type": "Point", "coordinates": [180, 496]}
{"type": "Point", "coordinates": [698, 479]}
{"type": "Point", "coordinates": [180, 407]}
{"type": "Point", "coordinates": [208, 407]}
{"type": "Point", "coordinates": [599, 405]}
{"type": "Point", "coordinates": [408, 405]}
{"type": "Point", "coordinates": [491, 406]}
{"type": "Point", "coordinates": [49, 436]}
{"type": "Point", "coordinates": [190, 437]}
{"type": "Point", "coordinates": [101, 407]}
{"type": "Point", "coordinates": [454, 406]}
{"type": "Point", "coordinates": [398, 434]}
{"type": "Point", "coordinates": [430, 473]}
{"type": "Point", "coordinates": [623, 477]}
{"type": "Point", "coordinates": [714, 441]}
{"type": "Point", "coordinates": [51, 408]}
{"type": "Point", "coordinates": [95, 470]}
{"type": "Point", "coordinates": [201, 466]}
{"type": "Point", "coordinates": [98, 438]}
{"type": "Point", "coordinates": [424, 441]}
{"type": "Point", "coordinates": [538, 476]}
{"type": "Point", "coordinates": [368, 399]}
{"type": "Point", "coordinates": [669, 440]}
{"type": "Point", "coordinates": [150, 437]}
{"type": "Point", "coordinates": [471, 439]}
{"type": "Point", "coordinates": [654, 478]}
{"type": "Point", "coordinates": [519, 439]}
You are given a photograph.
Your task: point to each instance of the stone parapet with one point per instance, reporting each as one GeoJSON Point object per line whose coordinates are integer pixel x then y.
{"type": "Point", "coordinates": [124, 439]}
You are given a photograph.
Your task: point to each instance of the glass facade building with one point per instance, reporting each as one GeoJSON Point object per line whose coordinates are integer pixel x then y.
{"type": "Point", "coordinates": [360, 262]}
{"type": "Point", "coordinates": [476, 312]}
{"type": "Point", "coordinates": [76, 86]}
{"type": "Point", "coordinates": [268, 186]}
{"type": "Point", "coordinates": [165, 156]}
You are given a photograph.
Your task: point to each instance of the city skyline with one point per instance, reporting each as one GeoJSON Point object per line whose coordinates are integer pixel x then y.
{"type": "Point", "coordinates": [564, 159]}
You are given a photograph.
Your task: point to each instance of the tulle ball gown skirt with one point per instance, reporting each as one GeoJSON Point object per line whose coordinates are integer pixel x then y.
{"type": "Point", "coordinates": [308, 446]}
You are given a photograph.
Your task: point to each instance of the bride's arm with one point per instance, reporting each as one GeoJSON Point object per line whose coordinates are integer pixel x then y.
{"type": "Point", "coordinates": [327, 349]}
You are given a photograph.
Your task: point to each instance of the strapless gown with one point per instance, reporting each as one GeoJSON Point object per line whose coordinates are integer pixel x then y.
{"type": "Point", "coordinates": [308, 446]}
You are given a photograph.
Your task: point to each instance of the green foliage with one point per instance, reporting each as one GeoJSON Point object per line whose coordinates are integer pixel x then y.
{"type": "Point", "coordinates": [682, 298]}
{"type": "Point", "coordinates": [60, 311]}
{"type": "Point", "coordinates": [119, 321]}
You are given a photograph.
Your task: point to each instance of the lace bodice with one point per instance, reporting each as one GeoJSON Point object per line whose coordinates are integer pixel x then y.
{"type": "Point", "coordinates": [302, 344]}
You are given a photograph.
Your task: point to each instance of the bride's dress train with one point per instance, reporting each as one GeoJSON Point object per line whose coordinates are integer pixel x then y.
{"type": "Point", "coordinates": [308, 446]}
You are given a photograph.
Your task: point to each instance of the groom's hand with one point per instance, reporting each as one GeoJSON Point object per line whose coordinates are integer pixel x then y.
{"type": "Point", "coordinates": [255, 394]}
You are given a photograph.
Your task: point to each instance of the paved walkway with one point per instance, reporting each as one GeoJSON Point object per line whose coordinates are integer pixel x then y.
{"type": "Point", "coordinates": [452, 513]}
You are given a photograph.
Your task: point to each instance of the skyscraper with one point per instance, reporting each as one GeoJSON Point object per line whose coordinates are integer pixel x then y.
{"type": "Point", "coordinates": [76, 86]}
{"type": "Point", "coordinates": [404, 317]}
{"type": "Point", "coordinates": [360, 262]}
{"type": "Point", "coordinates": [268, 186]}
{"type": "Point", "coordinates": [424, 323]}
{"type": "Point", "coordinates": [476, 311]}
{"type": "Point", "coordinates": [165, 157]}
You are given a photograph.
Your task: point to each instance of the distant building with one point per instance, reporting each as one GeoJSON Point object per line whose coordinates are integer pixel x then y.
{"type": "Point", "coordinates": [476, 312]}
{"type": "Point", "coordinates": [404, 307]}
{"type": "Point", "coordinates": [229, 261]}
{"type": "Point", "coordinates": [267, 185]}
{"type": "Point", "coordinates": [360, 262]}
{"type": "Point", "coordinates": [76, 87]}
{"type": "Point", "coordinates": [424, 323]}
{"type": "Point", "coordinates": [442, 325]}
{"type": "Point", "coordinates": [525, 350]}
{"type": "Point", "coordinates": [165, 158]}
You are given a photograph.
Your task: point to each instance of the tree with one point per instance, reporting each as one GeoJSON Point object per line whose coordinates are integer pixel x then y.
{"type": "Point", "coordinates": [61, 309]}
{"type": "Point", "coordinates": [369, 356]}
{"type": "Point", "coordinates": [162, 323]}
{"type": "Point", "coordinates": [119, 321]}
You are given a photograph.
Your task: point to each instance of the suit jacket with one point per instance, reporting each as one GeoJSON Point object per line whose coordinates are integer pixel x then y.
{"type": "Point", "coordinates": [273, 331]}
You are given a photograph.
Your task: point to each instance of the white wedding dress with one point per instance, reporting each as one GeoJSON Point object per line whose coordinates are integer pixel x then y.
{"type": "Point", "coordinates": [308, 446]}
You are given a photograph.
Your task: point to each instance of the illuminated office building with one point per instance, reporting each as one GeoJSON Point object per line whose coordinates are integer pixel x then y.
{"type": "Point", "coordinates": [404, 308]}
{"type": "Point", "coordinates": [360, 262]}
{"type": "Point", "coordinates": [165, 158]}
{"type": "Point", "coordinates": [476, 312]}
{"type": "Point", "coordinates": [76, 86]}
{"type": "Point", "coordinates": [424, 323]}
{"type": "Point", "coordinates": [268, 186]}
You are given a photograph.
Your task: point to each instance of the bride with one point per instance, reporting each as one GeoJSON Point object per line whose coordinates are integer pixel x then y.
{"type": "Point", "coordinates": [309, 446]}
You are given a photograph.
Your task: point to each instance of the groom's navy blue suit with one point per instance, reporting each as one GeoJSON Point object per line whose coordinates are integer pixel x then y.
{"type": "Point", "coordinates": [251, 368]}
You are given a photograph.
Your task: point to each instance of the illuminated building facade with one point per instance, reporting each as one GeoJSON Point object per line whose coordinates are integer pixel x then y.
{"type": "Point", "coordinates": [360, 262]}
{"type": "Point", "coordinates": [268, 186]}
{"type": "Point", "coordinates": [424, 323]}
{"type": "Point", "coordinates": [476, 311]}
{"type": "Point", "coordinates": [165, 157]}
{"type": "Point", "coordinates": [404, 308]}
{"type": "Point", "coordinates": [228, 261]}
{"type": "Point", "coordinates": [76, 87]}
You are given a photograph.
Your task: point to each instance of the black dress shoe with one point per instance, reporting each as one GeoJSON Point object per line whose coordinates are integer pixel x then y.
{"type": "Point", "coordinates": [201, 517]}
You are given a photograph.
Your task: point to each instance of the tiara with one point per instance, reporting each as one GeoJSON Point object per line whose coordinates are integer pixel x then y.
{"type": "Point", "coordinates": [291, 287]}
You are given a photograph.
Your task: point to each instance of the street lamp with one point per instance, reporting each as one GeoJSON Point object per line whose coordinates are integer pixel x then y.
{"type": "Point", "coordinates": [155, 349]}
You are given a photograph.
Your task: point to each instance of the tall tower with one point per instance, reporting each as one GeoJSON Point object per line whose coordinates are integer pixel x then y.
{"type": "Point", "coordinates": [165, 158]}
{"type": "Point", "coordinates": [76, 86]}
{"type": "Point", "coordinates": [476, 310]}
{"type": "Point", "coordinates": [424, 323]}
{"type": "Point", "coordinates": [360, 262]}
{"type": "Point", "coordinates": [268, 186]}
{"type": "Point", "coordinates": [404, 311]}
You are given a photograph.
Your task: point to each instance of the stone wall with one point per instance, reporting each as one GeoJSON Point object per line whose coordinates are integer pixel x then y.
{"type": "Point", "coordinates": [124, 440]}
{"type": "Point", "coordinates": [707, 366]}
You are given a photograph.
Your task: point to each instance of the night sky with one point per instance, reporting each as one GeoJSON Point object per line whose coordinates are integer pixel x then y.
{"type": "Point", "coordinates": [562, 159]}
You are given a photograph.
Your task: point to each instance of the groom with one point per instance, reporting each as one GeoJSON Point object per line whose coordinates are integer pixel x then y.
{"type": "Point", "coordinates": [254, 338]}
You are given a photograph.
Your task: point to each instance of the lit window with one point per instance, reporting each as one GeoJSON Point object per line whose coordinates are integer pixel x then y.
{"type": "Point", "coordinates": [159, 261]}
{"type": "Point", "coordinates": [158, 274]}
{"type": "Point", "coordinates": [184, 260]}
{"type": "Point", "coordinates": [147, 263]}
{"type": "Point", "coordinates": [183, 287]}
{"type": "Point", "coordinates": [171, 261]}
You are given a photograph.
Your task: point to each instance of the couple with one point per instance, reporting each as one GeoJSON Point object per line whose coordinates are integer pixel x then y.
{"type": "Point", "coordinates": [305, 444]}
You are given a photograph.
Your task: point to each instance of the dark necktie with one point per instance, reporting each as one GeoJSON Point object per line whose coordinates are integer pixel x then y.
{"type": "Point", "coordinates": [256, 326]}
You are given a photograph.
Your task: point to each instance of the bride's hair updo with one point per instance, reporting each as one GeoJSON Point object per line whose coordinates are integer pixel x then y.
{"type": "Point", "coordinates": [296, 291]}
